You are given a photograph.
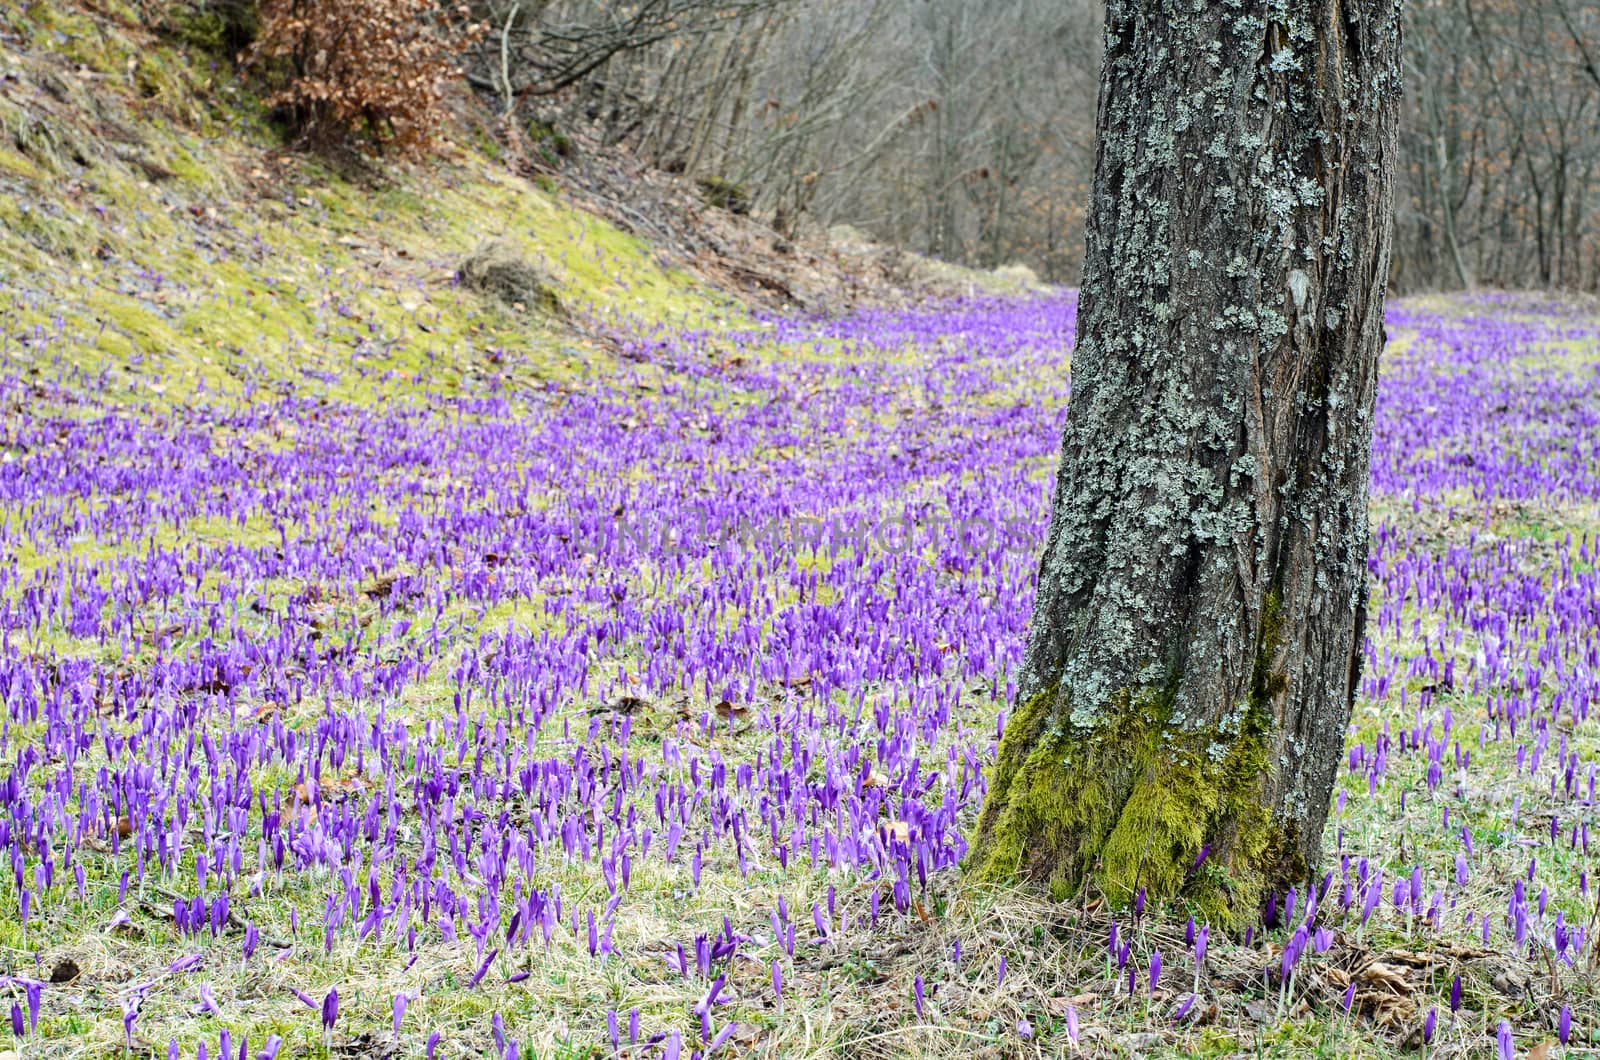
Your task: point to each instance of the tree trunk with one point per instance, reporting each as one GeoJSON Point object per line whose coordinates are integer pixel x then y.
{"type": "Point", "coordinates": [1196, 640]}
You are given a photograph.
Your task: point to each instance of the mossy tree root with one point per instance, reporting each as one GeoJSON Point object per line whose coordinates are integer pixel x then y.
{"type": "Point", "coordinates": [1132, 804]}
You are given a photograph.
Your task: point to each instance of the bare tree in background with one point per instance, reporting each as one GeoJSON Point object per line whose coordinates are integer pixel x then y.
{"type": "Point", "coordinates": [957, 129]}
{"type": "Point", "coordinates": [1500, 158]}
{"type": "Point", "coordinates": [541, 47]}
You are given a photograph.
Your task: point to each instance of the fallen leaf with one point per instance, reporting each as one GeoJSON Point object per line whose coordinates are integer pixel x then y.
{"type": "Point", "coordinates": [1509, 983]}
{"type": "Point", "coordinates": [630, 705]}
{"type": "Point", "coordinates": [1392, 977]}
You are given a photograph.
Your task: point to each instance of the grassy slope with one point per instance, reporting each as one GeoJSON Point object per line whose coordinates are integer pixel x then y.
{"type": "Point", "coordinates": [148, 209]}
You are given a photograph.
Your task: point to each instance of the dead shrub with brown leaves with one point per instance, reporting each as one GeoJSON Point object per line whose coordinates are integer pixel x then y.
{"type": "Point", "coordinates": [361, 69]}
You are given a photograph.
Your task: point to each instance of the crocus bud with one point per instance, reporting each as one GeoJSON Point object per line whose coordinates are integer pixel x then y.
{"type": "Point", "coordinates": [400, 1001]}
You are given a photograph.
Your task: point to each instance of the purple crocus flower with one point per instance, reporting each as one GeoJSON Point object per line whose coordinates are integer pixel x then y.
{"type": "Point", "coordinates": [1507, 1044]}
{"type": "Point", "coordinates": [401, 1000]}
{"type": "Point", "coordinates": [1564, 1024]}
{"type": "Point", "coordinates": [722, 1036]}
{"type": "Point", "coordinates": [497, 1030]}
{"type": "Point", "coordinates": [483, 969]}
{"type": "Point", "coordinates": [130, 1016]}
{"type": "Point", "coordinates": [1428, 1025]}
{"type": "Point", "coordinates": [330, 1010]}
{"type": "Point", "coordinates": [207, 1002]}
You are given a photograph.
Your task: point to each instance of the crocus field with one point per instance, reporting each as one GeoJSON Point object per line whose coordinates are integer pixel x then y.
{"type": "Point", "coordinates": [644, 714]}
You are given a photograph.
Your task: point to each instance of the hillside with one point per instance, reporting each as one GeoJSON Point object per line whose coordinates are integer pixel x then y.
{"type": "Point", "coordinates": [148, 206]}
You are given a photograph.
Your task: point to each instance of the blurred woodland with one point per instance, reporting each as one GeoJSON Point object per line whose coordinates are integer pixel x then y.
{"type": "Point", "coordinates": [965, 130]}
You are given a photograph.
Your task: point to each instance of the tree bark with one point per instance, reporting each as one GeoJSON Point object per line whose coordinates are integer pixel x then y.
{"type": "Point", "coordinates": [1196, 640]}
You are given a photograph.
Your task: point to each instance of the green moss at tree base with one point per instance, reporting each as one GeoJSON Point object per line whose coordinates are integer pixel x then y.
{"type": "Point", "coordinates": [1130, 805]}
